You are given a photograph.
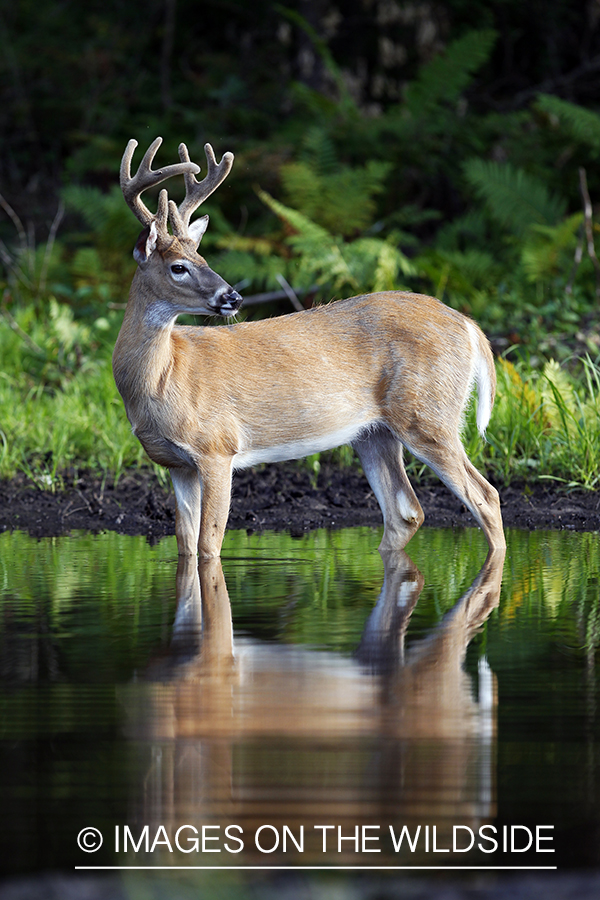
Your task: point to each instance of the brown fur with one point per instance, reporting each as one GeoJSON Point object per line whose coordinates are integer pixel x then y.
{"type": "Point", "coordinates": [381, 371]}
{"type": "Point", "coordinates": [392, 359]}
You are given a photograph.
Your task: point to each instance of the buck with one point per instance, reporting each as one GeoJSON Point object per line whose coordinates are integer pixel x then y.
{"type": "Point", "coordinates": [380, 371]}
{"type": "Point", "coordinates": [211, 698]}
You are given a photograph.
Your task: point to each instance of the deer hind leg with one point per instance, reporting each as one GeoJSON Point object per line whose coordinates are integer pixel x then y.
{"type": "Point", "coordinates": [380, 453]}
{"type": "Point", "coordinates": [450, 463]}
{"type": "Point", "coordinates": [382, 644]}
{"type": "Point", "coordinates": [186, 485]}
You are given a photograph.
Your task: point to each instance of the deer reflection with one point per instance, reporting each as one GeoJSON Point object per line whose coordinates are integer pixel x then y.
{"type": "Point", "coordinates": [258, 731]}
{"type": "Point", "coordinates": [426, 691]}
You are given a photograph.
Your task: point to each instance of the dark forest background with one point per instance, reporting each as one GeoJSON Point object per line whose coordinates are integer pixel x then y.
{"type": "Point", "coordinates": [444, 146]}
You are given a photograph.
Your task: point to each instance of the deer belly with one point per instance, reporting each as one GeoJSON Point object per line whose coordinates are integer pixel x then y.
{"type": "Point", "coordinates": [298, 447]}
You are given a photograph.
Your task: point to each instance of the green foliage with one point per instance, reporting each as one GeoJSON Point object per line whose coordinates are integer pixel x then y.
{"type": "Point", "coordinates": [28, 268]}
{"type": "Point", "coordinates": [325, 259]}
{"type": "Point", "coordinates": [106, 216]}
{"type": "Point", "coordinates": [82, 426]}
{"type": "Point", "coordinates": [460, 273]}
{"type": "Point", "coordinates": [515, 199]}
{"type": "Point", "coordinates": [548, 250]}
{"type": "Point", "coordinates": [342, 200]}
{"type": "Point", "coordinates": [249, 262]}
{"type": "Point", "coordinates": [102, 269]}
{"type": "Point", "coordinates": [59, 407]}
{"type": "Point", "coordinates": [317, 150]}
{"type": "Point", "coordinates": [345, 104]}
{"type": "Point", "coordinates": [546, 424]}
{"type": "Point", "coordinates": [444, 79]}
{"type": "Point", "coordinates": [577, 122]}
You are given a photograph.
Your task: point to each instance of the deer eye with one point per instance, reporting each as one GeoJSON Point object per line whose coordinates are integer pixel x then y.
{"type": "Point", "coordinates": [178, 269]}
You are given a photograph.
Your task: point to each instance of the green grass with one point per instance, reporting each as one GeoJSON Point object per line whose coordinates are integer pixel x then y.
{"type": "Point", "coordinates": [59, 407]}
{"type": "Point", "coordinates": [60, 411]}
{"type": "Point", "coordinates": [546, 424]}
{"type": "Point", "coordinates": [82, 426]}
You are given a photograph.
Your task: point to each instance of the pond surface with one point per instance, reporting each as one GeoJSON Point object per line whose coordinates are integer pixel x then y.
{"type": "Point", "coordinates": [304, 704]}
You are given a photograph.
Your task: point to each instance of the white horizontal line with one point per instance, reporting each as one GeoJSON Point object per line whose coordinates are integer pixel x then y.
{"type": "Point", "coordinates": [346, 868]}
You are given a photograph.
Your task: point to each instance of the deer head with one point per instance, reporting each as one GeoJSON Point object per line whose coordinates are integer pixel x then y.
{"type": "Point", "coordinates": [172, 272]}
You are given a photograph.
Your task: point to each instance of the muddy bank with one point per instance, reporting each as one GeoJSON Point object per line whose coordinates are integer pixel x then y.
{"type": "Point", "coordinates": [277, 497]}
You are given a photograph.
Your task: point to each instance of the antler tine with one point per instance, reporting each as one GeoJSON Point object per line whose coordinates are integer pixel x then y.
{"type": "Point", "coordinates": [196, 191]}
{"type": "Point", "coordinates": [146, 177]}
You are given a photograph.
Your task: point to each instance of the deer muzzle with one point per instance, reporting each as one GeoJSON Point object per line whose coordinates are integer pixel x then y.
{"type": "Point", "coordinates": [229, 303]}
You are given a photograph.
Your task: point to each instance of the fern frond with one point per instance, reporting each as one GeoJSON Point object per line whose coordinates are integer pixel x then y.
{"type": "Point", "coordinates": [317, 105]}
{"type": "Point", "coordinates": [89, 202]}
{"type": "Point", "coordinates": [578, 122]}
{"type": "Point", "coordinates": [376, 263]}
{"type": "Point", "coordinates": [302, 187]}
{"type": "Point", "coordinates": [258, 270]}
{"type": "Point", "coordinates": [460, 274]}
{"type": "Point", "coordinates": [444, 78]}
{"type": "Point", "coordinates": [318, 151]}
{"type": "Point", "coordinates": [299, 222]}
{"type": "Point", "coordinates": [86, 266]}
{"type": "Point", "coordinates": [341, 201]}
{"type": "Point", "coordinates": [476, 265]}
{"type": "Point", "coordinates": [258, 245]}
{"type": "Point", "coordinates": [544, 252]}
{"type": "Point", "coordinates": [107, 217]}
{"type": "Point", "coordinates": [464, 230]}
{"type": "Point", "coordinates": [514, 198]}
{"type": "Point", "coordinates": [386, 268]}
{"type": "Point", "coordinates": [322, 258]}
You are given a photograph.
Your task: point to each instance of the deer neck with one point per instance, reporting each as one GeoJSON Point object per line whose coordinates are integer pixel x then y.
{"type": "Point", "coordinates": [143, 355]}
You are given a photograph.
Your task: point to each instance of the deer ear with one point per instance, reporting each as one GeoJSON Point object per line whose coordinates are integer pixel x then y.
{"type": "Point", "coordinates": [145, 244]}
{"type": "Point", "coordinates": [197, 228]}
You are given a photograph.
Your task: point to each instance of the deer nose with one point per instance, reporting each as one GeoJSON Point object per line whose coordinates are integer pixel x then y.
{"type": "Point", "coordinates": [232, 298]}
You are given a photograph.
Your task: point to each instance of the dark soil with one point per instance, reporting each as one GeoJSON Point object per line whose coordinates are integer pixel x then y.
{"type": "Point", "coordinates": [277, 498]}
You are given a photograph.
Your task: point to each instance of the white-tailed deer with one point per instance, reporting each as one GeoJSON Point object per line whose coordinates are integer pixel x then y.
{"type": "Point", "coordinates": [236, 729]}
{"type": "Point", "coordinates": [379, 371]}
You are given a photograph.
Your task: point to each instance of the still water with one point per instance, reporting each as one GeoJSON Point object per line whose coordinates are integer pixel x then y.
{"type": "Point", "coordinates": [304, 703]}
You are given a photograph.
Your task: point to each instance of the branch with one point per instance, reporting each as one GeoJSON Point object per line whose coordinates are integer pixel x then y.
{"type": "Point", "coordinates": [15, 220]}
{"type": "Point", "coordinates": [272, 296]}
{"type": "Point", "coordinates": [589, 225]}
{"type": "Point", "coordinates": [49, 245]}
{"type": "Point", "coordinates": [289, 292]}
{"type": "Point", "coordinates": [550, 85]}
{"type": "Point", "coordinates": [576, 261]}
{"type": "Point", "coordinates": [4, 311]}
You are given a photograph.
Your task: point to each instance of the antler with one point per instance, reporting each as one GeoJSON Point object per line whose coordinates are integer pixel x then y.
{"type": "Point", "coordinates": [145, 177]}
{"type": "Point", "coordinates": [196, 192]}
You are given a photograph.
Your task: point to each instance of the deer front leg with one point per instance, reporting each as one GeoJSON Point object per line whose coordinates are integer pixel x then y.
{"type": "Point", "coordinates": [215, 478]}
{"type": "Point", "coordinates": [187, 520]}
